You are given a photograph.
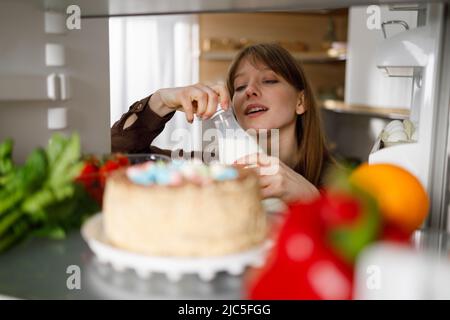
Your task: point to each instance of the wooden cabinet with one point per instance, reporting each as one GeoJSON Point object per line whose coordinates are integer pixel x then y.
{"type": "Point", "coordinates": [325, 71]}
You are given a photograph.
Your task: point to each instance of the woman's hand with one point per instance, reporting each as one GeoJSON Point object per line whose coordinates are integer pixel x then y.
{"type": "Point", "coordinates": [196, 99]}
{"type": "Point", "coordinates": [278, 180]}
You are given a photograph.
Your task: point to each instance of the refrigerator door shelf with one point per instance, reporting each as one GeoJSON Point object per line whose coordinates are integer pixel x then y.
{"type": "Point", "coordinates": [407, 51]}
{"type": "Point", "coordinates": [34, 87]}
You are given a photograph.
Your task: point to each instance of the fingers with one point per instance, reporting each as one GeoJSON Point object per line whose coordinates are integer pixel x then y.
{"type": "Point", "coordinates": [265, 181]}
{"type": "Point", "coordinates": [202, 99]}
{"type": "Point", "coordinates": [271, 186]}
{"type": "Point", "coordinates": [210, 107]}
{"type": "Point", "coordinates": [262, 163]}
{"type": "Point", "coordinates": [224, 96]}
{"type": "Point", "coordinates": [271, 191]}
{"type": "Point", "coordinates": [268, 192]}
{"type": "Point", "coordinates": [194, 100]}
{"type": "Point", "coordinates": [188, 108]}
{"type": "Point", "coordinates": [258, 159]}
{"type": "Point", "coordinates": [205, 99]}
{"type": "Point", "coordinates": [197, 99]}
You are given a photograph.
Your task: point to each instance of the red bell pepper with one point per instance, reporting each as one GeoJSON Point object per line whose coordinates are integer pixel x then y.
{"type": "Point", "coordinates": [302, 265]}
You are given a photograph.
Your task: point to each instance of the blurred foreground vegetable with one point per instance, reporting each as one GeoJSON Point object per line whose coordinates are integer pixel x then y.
{"type": "Point", "coordinates": [319, 242]}
{"type": "Point", "coordinates": [41, 197]}
{"type": "Point", "coordinates": [302, 264]}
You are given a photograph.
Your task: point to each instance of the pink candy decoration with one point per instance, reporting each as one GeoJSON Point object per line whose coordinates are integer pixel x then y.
{"type": "Point", "coordinates": [176, 179]}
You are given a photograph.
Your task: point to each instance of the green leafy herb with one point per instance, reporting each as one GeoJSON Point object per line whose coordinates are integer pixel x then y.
{"type": "Point", "coordinates": [41, 198]}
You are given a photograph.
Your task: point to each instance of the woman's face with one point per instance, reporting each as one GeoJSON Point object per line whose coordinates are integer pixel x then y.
{"type": "Point", "coordinates": [262, 99]}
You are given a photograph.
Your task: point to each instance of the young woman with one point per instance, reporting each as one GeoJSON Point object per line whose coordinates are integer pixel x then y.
{"type": "Point", "coordinates": [267, 89]}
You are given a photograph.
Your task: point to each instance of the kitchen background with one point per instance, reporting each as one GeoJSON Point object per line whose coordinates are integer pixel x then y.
{"type": "Point", "coordinates": [150, 52]}
{"type": "Point", "coordinates": [319, 40]}
{"type": "Point", "coordinates": [57, 80]}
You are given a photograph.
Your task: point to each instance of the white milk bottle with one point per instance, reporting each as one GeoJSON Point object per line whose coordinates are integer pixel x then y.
{"type": "Point", "coordinates": [234, 142]}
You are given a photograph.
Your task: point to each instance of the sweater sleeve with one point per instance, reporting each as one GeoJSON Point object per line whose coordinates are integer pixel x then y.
{"type": "Point", "coordinates": [138, 137]}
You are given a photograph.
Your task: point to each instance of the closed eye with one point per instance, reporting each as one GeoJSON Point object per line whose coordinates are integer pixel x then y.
{"type": "Point", "coordinates": [240, 88]}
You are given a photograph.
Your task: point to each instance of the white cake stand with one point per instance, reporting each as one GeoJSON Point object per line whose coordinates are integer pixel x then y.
{"type": "Point", "coordinates": [173, 267]}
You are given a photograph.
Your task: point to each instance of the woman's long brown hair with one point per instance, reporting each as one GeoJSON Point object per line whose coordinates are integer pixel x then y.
{"type": "Point", "coordinates": [313, 152]}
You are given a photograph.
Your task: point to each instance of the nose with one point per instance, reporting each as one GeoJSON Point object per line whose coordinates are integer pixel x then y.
{"type": "Point", "coordinates": [252, 90]}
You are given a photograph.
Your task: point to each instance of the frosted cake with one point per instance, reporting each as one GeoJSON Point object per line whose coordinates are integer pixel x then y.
{"type": "Point", "coordinates": [184, 208]}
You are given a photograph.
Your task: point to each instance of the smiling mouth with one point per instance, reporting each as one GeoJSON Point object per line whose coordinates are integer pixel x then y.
{"type": "Point", "coordinates": [254, 110]}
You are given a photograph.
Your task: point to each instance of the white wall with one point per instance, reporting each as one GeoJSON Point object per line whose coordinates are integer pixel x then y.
{"type": "Point", "coordinates": [22, 52]}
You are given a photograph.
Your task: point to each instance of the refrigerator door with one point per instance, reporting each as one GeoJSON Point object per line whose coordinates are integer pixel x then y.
{"type": "Point", "coordinates": [425, 156]}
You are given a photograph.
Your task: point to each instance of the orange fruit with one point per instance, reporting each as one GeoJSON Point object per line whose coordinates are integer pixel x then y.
{"type": "Point", "coordinates": [401, 197]}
